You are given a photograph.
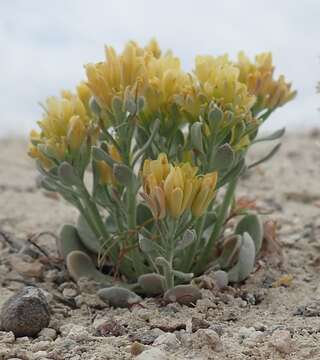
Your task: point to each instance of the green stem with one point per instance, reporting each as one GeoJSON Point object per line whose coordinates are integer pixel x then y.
{"type": "Point", "coordinates": [170, 253]}
{"type": "Point", "coordinates": [132, 222]}
{"type": "Point", "coordinates": [94, 213]}
{"type": "Point", "coordinates": [223, 211]}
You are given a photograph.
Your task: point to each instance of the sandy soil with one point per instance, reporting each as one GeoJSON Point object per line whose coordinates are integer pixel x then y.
{"type": "Point", "coordinates": [249, 322]}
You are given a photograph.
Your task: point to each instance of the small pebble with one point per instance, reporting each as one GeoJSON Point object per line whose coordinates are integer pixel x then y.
{"type": "Point", "coordinates": [26, 313]}
{"type": "Point", "coordinates": [170, 340]}
{"type": "Point", "coordinates": [69, 293]}
{"type": "Point", "coordinates": [136, 348]}
{"type": "Point", "coordinates": [40, 346]}
{"type": "Point", "coordinates": [206, 337]}
{"type": "Point", "coordinates": [281, 340]}
{"type": "Point", "coordinates": [197, 324]}
{"type": "Point", "coordinates": [47, 334]}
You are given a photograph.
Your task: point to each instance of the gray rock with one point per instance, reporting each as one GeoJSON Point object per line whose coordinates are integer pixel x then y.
{"type": "Point", "coordinates": [152, 354]}
{"type": "Point", "coordinates": [170, 340]}
{"type": "Point", "coordinates": [26, 313]}
{"type": "Point", "coordinates": [281, 340]}
{"type": "Point", "coordinates": [208, 338]}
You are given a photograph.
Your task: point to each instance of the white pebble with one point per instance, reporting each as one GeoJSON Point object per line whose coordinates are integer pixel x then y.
{"type": "Point", "coordinates": [152, 354]}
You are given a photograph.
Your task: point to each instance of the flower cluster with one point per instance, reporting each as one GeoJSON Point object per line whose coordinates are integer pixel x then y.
{"type": "Point", "coordinates": [175, 189]}
{"type": "Point", "coordinates": [65, 126]}
{"type": "Point", "coordinates": [258, 77]}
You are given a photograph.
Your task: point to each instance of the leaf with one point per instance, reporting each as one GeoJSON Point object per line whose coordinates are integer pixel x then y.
{"type": "Point", "coordinates": [253, 226]}
{"type": "Point", "coordinates": [152, 284]}
{"type": "Point", "coordinates": [87, 236]}
{"type": "Point", "coordinates": [232, 174]}
{"type": "Point", "coordinates": [80, 265]}
{"type": "Point", "coordinates": [123, 174]}
{"type": "Point", "coordinates": [148, 142]}
{"type": "Point", "coordinates": [67, 174]}
{"type": "Point", "coordinates": [223, 158]}
{"type": "Point", "coordinates": [230, 251]}
{"type": "Point", "coordinates": [144, 216]}
{"type": "Point", "coordinates": [118, 297]}
{"type": "Point", "coordinates": [100, 155]}
{"type": "Point", "coordinates": [267, 157]}
{"type": "Point", "coordinates": [183, 294]}
{"type": "Point", "coordinates": [188, 238]}
{"type": "Point", "coordinates": [245, 264]}
{"type": "Point", "coordinates": [149, 246]}
{"type": "Point", "coordinates": [94, 106]}
{"type": "Point", "coordinates": [185, 277]}
{"type": "Point", "coordinates": [48, 184]}
{"type": "Point", "coordinates": [274, 136]}
{"type": "Point", "coordinates": [69, 240]}
{"type": "Point", "coordinates": [196, 136]}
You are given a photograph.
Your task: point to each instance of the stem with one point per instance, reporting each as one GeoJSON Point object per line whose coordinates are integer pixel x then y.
{"type": "Point", "coordinates": [171, 249]}
{"type": "Point", "coordinates": [207, 250]}
{"type": "Point", "coordinates": [94, 213]}
{"type": "Point", "coordinates": [193, 249]}
{"type": "Point", "coordinates": [132, 220]}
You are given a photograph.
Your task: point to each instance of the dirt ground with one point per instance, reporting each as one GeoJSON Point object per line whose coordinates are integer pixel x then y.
{"type": "Point", "coordinates": [275, 314]}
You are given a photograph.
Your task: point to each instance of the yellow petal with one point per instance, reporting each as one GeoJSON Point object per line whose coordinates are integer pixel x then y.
{"type": "Point", "coordinates": [198, 205]}
{"type": "Point", "coordinates": [175, 201]}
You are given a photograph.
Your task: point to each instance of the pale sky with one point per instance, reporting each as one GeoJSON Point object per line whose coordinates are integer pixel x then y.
{"type": "Point", "coordinates": [44, 45]}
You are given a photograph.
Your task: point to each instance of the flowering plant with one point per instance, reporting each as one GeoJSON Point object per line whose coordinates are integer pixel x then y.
{"type": "Point", "coordinates": [158, 144]}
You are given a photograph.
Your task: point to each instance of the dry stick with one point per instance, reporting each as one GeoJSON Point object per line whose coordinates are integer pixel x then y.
{"type": "Point", "coordinates": [13, 244]}
{"type": "Point", "coordinates": [32, 241]}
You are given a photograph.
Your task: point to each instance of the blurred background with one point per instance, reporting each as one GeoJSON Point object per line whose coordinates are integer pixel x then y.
{"type": "Point", "coordinates": [45, 44]}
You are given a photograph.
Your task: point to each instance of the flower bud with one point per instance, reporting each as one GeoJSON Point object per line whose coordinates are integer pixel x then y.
{"type": "Point", "coordinates": [76, 133]}
{"type": "Point", "coordinates": [205, 194]}
{"type": "Point", "coordinates": [105, 172]}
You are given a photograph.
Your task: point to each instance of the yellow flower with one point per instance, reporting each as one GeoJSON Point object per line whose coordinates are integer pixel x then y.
{"type": "Point", "coordinates": [176, 189]}
{"type": "Point", "coordinates": [154, 48]}
{"type": "Point", "coordinates": [159, 168]}
{"type": "Point", "coordinates": [106, 176]}
{"type": "Point", "coordinates": [36, 154]}
{"type": "Point", "coordinates": [205, 194]}
{"type": "Point", "coordinates": [277, 94]}
{"type": "Point", "coordinates": [219, 81]}
{"type": "Point", "coordinates": [116, 75]}
{"type": "Point", "coordinates": [84, 94]}
{"type": "Point", "coordinates": [258, 77]}
{"type": "Point", "coordinates": [154, 173]}
{"type": "Point", "coordinates": [76, 133]}
{"type": "Point", "coordinates": [66, 122]}
{"type": "Point", "coordinates": [163, 83]}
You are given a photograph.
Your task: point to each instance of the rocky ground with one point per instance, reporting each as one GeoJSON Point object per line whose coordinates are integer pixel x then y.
{"type": "Point", "coordinates": [275, 314]}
